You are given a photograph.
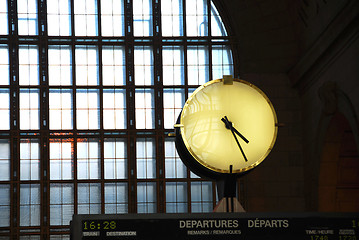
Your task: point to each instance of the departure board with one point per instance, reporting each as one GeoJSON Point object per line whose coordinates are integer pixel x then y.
{"type": "Point", "coordinates": [216, 226]}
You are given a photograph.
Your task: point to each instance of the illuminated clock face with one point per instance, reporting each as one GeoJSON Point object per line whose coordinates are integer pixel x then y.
{"type": "Point", "coordinates": [226, 126]}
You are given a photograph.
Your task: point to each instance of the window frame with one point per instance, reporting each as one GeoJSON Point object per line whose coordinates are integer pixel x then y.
{"type": "Point", "coordinates": [127, 40]}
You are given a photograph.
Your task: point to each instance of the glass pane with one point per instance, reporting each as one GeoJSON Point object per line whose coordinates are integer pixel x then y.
{"type": "Point", "coordinates": [176, 197]}
{"type": "Point", "coordinates": [173, 65]}
{"type": "Point", "coordinates": [174, 167]}
{"type": "Point", "coordinates": [142, 17]}
{"type": "Point", "coordinates": [116, 200]}
{"type": "Point", "coordinates": [4, 160]}
{"type": "Point", "coordinates": [4, 203]}
{"type": "Point", "coordinates": [4, 109]}
{"type": "Point", "coordinates": [190, 91]}
{"type": "Point", "coordinates": [146, 158]}
{"type": "Point", "coordinates": [87, 65]}
{"type": "Point", "coordinates": [222, 63]}
{"type": "Point", "coordinates": [172, 17]}
{"type": "Point", "coordinates": [115, 158]}
{"type": "Point", "coordinates": [85, 18]}
{"type": "Point", "coordinates": [89, 198]}
{"type": "Point", "coordinates": [198, 65]}
{"type": "Point", "coordinates": [145, 109]}
{"type": "Point", "coordinates": [88, 159]}
{"type": "Point", "coordinates": [4, 59]}
{"type": "Point", "coordinates": [29, 159]}
{"type": "Point", "coordinates": [143, 66]}
{"type": "Point", "coordinates": [59, 18]}
{"type": "Point", "coordinates": [113, 66]}
{"type": "Point", "coordinates": [61, 159]}
{"type": "Point", "coordinates": [27, 17]}
{"type": "Point", "coordinates": [87, 109]}
{"type": "Point", "coordinates": [201, 196]}
{"type": "Point", "coordinates": [114, 109]}
{"type": "Point", "coordinates": [61, 203]}
{"type": "Point", "coordinates": [173, 101]}
{"type": "Point", "coordinates": [60, 109]}
{"type": "Point", "coordinates": [30, 204]}
{"type": "Point", "coordinates": [60, 65]}
{"type": "Point", "coordinates": [3, 18]}
{"type": "Point", "coordinates": [217, 27]}
{"type": "Point", "coordinates": [28, 65]}
{"type": "Point", "coordinates": [29, 109]}
{"type": "Point", "coordinates": [146, 197]}
{"type": "Point", "coordinates": [112, 18]}
{"type": "Point", "coordinates": [197, 18]}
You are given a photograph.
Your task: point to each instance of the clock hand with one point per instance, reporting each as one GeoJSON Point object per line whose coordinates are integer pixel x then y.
{"type": "Point", "coordinates": [239, 145]}
{"type": "Point", "coordinates": [229, 126]}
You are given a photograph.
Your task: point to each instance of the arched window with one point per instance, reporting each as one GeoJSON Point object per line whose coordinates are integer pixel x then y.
{"type": "Point", "coordinates": [90, 90]}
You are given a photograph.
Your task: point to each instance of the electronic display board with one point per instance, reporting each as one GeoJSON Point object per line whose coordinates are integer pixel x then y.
{"type": "Point", "coordinates": [301, 226]}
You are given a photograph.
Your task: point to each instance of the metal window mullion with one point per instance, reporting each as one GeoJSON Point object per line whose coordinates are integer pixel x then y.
{"type": "Point", "coordinates": [156, 13]}
{"type": "Point", "coordinates": [44, 185]}
{"type": "Point", "coordinates": [12, 16]}
{"type": "Point", "coordinates": [184, 18]}
{"type": "Point", "coordinates": [72, 9]}
{"type": "Point", "coordinates": [159, 119]}
{"type": "Point", "coordinates": [160, 155]}
{"type": "Point", "coordinates": [14, 187]}
{"type": "Point", "coordinates": [185, 42]}
{"type": "Point", "coordinates": [44, 139]}
{"type": "Point", "coordinates": [101, 143]}
{"type": "Point", "coordinates": [209, 13]}
{"type": "Point", "coordinates": [210, 68]}
{"type": "Point", "coordinates": [75, 180]}
{"type": "Point", "coordinates": [189, 194]}
{"type": "Point", "coordinates": [132, 185]}
{"type": "Point", "coordinates": [209, 30]}
{"type": "Point", "coordinates": [158, 87]}
{"type": "Point", "coordinates": [102, 161]}
{"type": "Point", "coordinates": [42, 14]}
{"type": "Point", "coordinates": [99, 25]}
{"type": "Point", "coordinates": [130, 106]}
{"type": "Point", "coordinates": [74, 107]}
{"type": "Point", "coordinates": [44, 90]}
{"type": "Point", "coordinates": [14, 67]}
{"type": "Point", "coordinates": [101, 129]}
{"type": "Point", "coordinates": [73, 64]}
{"type": "Point", "coordinates": [100, 86]}
{"type": "Point", "coordinates": [128, 11]}
{"type": "Point", "coordinates": [14, 119]}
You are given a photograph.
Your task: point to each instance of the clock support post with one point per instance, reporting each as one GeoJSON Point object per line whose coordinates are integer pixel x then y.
{"type": "Point", "coordinates": [227, 192]}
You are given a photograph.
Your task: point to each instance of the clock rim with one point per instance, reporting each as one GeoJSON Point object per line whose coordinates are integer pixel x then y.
{"type": "Point", "coordinates": [212, 168]}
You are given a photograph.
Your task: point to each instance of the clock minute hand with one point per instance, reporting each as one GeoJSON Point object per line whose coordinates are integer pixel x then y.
{"type": "Point", "coordinates": [239, 145]}
{"type": "Point", "coordinates": [229, 126]}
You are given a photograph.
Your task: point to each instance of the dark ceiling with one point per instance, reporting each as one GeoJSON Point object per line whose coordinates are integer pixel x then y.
{"type": "Point", "coordinates": [273, 35]}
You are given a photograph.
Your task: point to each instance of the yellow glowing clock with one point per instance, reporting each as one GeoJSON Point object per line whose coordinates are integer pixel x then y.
{"type": "Point", "coordinates": [226, 126]}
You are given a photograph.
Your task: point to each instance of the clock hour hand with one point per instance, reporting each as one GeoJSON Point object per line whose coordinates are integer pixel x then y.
{"type": "Point", "coordinates": [230, 127]}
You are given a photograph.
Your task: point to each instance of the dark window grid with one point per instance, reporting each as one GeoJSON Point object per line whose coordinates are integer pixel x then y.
{"type": "Point", "coordinates": [179, 199]}
{"type": "Point", "coordinates": [201, 200]}
{"type": "Point", "coordinates": [76, 181]}
{"type": "Point", "coordinates": [73, 28]}
{"type": "Point", "coordinates": [100, 88]}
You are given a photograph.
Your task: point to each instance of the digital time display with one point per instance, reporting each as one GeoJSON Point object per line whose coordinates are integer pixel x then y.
{"type": "Point", "coordinates": [99, 225]}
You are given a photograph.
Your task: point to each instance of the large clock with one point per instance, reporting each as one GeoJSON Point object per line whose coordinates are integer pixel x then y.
{"type": "Point", "coordinates": [226, 126]}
